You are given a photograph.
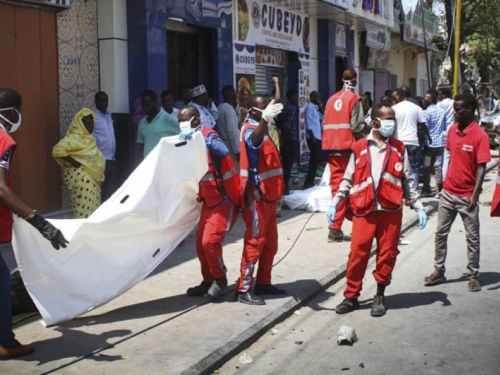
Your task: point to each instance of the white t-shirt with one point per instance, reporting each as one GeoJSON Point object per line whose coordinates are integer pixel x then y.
{"type": "Point", "coordinates": [447, 106]}
{"type": "Point", "coordinates": [408, 115]}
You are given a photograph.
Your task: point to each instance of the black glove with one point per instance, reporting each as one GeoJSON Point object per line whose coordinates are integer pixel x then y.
{"type": "Point", "coordinates": [47, 230]}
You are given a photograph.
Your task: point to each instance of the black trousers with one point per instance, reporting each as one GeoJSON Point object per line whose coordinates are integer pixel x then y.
{"type": "Point", "coordinates": [315, 150]}
{"type": "Point", "coordinates": [289, 155]}
{"type": "Point", "coordinates": [109, 185]}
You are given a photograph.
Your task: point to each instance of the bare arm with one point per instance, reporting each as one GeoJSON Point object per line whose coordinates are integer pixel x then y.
{"type": "Point", "coordinates": [10, 199]}
{"type": "Point", "coordinates": [259, 133]}
{"type": "Point", "coordinates": [426, 131]}
{"type": "Point", "coordinates": [481, 171]}
{"type": "Point", "coordinates": [140, 153]}
{"type": "Point", "coordinates": [277, 96]}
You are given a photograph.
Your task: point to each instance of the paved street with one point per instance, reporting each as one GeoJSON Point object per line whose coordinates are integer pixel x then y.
{"type": "Point", "coordinates": [443, 329]}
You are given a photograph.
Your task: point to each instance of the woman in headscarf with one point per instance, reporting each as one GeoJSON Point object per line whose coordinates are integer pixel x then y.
{"type": "Point", "coordinates": [83, 164]}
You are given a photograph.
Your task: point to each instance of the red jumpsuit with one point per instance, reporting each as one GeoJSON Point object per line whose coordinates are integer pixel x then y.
{"type": "Point", "coordinates": [259, 212]}
{"type": "Point", "coordinates": [338, 137]}
{"type": "Point", "coordinates": [382, 225]}
{"type": "Point", "coordinates": [495, 204]}
{"type": "Point", "coordinates": [221, 196]}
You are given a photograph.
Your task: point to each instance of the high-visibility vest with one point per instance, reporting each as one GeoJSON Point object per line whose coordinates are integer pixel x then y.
{"type": "Point", "coordinates": [216, 185]}
{"type": "Point", "coordinates": [270, 171]}
{"type": "Point", "coordinates": [390, 190]}
{"type": "Point", "coordinates": [6, 220]}
{"type": "Point", "coordinates": [495, 204]}
{"type": "Point", "coordinates": [337, 131]}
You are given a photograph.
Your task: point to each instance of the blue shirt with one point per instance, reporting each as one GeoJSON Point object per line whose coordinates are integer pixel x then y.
{"type": "Point", "coordinates": [252, 154]}
{"type": "Point", "coordinates": [313, 120]}
{"type": "Point", "coordinates": [436, 122]}
{"type": "Point", "coordinates": [104, 134]}
{"type": "Point", "coordinates": [216, 146]}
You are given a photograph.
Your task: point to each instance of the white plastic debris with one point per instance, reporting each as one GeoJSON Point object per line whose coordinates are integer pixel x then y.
{"type": "Point", "coordinates": [404, 242]}
{"type": "Point", "coordinates": [346, 336]}
{"type": "Point", "coordinates": [297, 312]}
{"type": "Point", "coordinates": [245, 359]}
{"type": "Point", "coordinates": [274, 331]}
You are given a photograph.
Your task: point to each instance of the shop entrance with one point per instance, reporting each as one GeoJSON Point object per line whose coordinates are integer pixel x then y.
{"type": "Point", "coordinates": [190, 54]}
{"type": "Point", "coordinates": [340, 66]}
{"type": "Point", "coordinates": [29, 65]}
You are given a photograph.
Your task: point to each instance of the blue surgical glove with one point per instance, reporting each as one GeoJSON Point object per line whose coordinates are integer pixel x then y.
{"type": "Point", "coordinates": [330, 215]}
{"type": "Point", "coordinates": [186, 134]}
{"type": "Point", "coordinates": [422, 218]}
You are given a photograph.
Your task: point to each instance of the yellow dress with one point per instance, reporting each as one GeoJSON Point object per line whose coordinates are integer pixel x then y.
{"type": "Point", "coordinates": [84, 182]}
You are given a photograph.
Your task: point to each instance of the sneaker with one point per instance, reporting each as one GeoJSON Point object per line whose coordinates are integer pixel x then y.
{"type": "Point", "coordinates": [426, 193]}
{"type": "Point", "coordinates": [199, 290]}
{"type": "Point", "coordinates": [474, 285]}
{"type": "Point", "coordinates": [335, 236]}
{"type": "Point", "coordinates": [378, 306]}
{"type": "Point", "coordinates": [218, 287]}
{"type": "Point", "coordinates": [438, 195]}
{"type": "Point", "coordinates": [248, 298]}
{"type": "Point", "coordinates": [437, 277]}
{"type": "Point", "coordinates": [348, 305]}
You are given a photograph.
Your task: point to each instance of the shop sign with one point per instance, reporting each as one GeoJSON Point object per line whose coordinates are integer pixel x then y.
{"type": "Point", "coordinates": [377, 11]}
{"type": "Point", "coordinates": [270, 57]}
{"type": "Point", "coordinates": [304, 92]}
{"type": "Point", "coordinates": [344, 4]}
{"type": "Point", "coordinates": [341, 40]}
{"type": "Point", "coordinates": [413, 31]}
{"type": "Point", "coordinates": [379, 39]}
{"type": "Point", "coordinates": [244, 70]}
{"type": "Point", "coordinates": [377, 60]}
{"type": "Point", "coordinates": [244, 59]}
{"type": "Point", "coordinates": [266, 24]}
{"type": "Point", "coordinates": [54, 3]}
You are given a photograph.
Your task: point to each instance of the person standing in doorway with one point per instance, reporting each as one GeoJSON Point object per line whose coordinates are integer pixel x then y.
{"type": "Point", "coordinates": [184, 97]}
{"type": "Point", "coordinates": [104, 134]}
{"type": "Point", "coordinates": [344, 122]}
{"type": "Point", "coordinates": [156, 125]}
{"type": "Point", "coordinates": [290, 135]}
{"type": "Point", "coordinates": [10, 121]}
{"type": "Point", "coordinates": [433, 153]}
{"type": "Point", "coordinates": [227, 124]}
{"type": "Point", "coordinates": [377, 178]}
{"type": "Point", "coordinates": [167, 103]}
{"type": "Point", "coordinates": [261, 185]}
{"type": "Point", "coordinates": [469, 149]}
{"type": "Point", "coordinates": [313, 118]}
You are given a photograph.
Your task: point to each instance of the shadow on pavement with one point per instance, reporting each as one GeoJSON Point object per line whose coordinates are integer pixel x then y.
{"type": "Point", "coordinates": [486, 278]}
{"type": "Point", "coordinates": [409, 300]}
{"type": "Point", "coordinates": [73, 344]}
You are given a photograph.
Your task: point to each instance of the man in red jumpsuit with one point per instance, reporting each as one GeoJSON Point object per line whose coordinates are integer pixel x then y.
{"type": "Point", "coordinates": [343, 123]}
{"type": "Point", "coordinates": [262, 185]}
{"type": "Point", "coordinates": [220, 196]}
{"type": "Point", "coordinates": [10, 121]}
{"type": "Point", "coordinates": [376, 179]}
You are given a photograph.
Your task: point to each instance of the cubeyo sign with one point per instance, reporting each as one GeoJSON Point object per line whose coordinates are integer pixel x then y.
{"type": "Point", "coordinates": [267, 24]}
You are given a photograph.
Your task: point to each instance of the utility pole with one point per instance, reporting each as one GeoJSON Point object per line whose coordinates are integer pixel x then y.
{"type": "Point", "coordinates": [456, 70]}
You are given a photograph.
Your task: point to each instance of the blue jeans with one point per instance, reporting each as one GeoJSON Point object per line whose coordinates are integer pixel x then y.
{"type": "Point", "coordinates": [6, 334]}
{"type": "Point", "coordinates": [415, 154]}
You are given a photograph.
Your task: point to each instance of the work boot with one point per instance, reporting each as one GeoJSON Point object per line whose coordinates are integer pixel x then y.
{"type": "Point", "coordinates": [437, 277]}
{"type": "Point", "coordinates": [199, 290]}
{"type": "Point", "coordinates": [337, 236]}
{"type": "Point", "coordinates": [18, 350]}
{"type": "Point", "coordinates": [249, 298]}
{"type": "Point", "coordinates": [378, 306]}
{"type": "Point", "coordinates": [348, 305]}
{"type": "Point", "coordinates": [218, 287]}
{"type": "Point", "coordinates": [269, 289]}
{"type": "Point", "coordinates": [474, 285]}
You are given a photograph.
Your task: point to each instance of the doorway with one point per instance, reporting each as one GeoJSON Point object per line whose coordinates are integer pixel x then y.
{"type": "Point", "coordinates": [340, 66]}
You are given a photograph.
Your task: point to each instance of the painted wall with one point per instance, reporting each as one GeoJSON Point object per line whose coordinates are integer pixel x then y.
{"type": "Point", "coordinates": [396, 61]}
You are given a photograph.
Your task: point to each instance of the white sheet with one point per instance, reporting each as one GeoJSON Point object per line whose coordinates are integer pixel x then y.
{"type": "Point", "coordinates": [314, 199]}
{"type": "Point", "coordinates": [121, 243]}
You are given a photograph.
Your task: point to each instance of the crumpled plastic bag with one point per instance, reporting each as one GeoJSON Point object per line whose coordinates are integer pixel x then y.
{"type": "Point", "coordinates": [315, 199]}
{"type": "Point", "coordinates": [346, 335]}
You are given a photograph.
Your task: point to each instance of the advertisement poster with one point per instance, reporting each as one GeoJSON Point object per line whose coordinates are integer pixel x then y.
{"type": "Point", "coordinates": [244, 69]}
{"type": "Point", "coordinates": [413, 31]}
{"type": "Point", "coordinates": [304, 92]}
{"type": "Point", "coordinates": [264, 23]}
{"type": "Point", "coordinates": [270, 57]}
{"type": "Point", "coordinates": [379, 39]}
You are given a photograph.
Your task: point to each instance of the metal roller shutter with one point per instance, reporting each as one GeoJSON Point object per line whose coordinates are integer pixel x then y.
{"type": "Point", "coordinates": [263, 78]}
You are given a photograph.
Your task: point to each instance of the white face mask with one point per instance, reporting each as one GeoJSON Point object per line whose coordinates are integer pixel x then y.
{"type": "Point", "coordinates": [386, 127]}
{"type": "Point", "coordinates": [348, 85]}
{"type": "Point", "coordinates": [14, 126]}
